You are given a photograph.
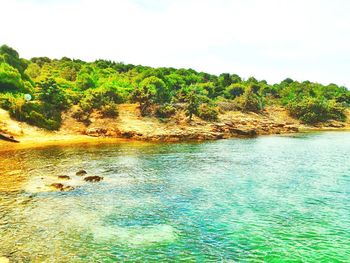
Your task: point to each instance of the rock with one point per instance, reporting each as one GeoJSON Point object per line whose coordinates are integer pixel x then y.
{"type": "Point", "coordinates": [244, 132]}
{"type": "Point", "coordinates": [113, 133]}
{"type": "Point", "coordinates": [292, 128]}
{"type": "Point", "coordinates": [57, 186]}
{"type": "Point", "coordinates": [67, 188]}
{"type": "Point", "coordinates": [64, 177]}
{"type": "Point", "coordinates": [128, 134]}
{"type": "Point", "coordinates": [81, 173]}
{"type": "Point", "coordinates": [61, 187]}
{"type": "Point", "coordinates": [96, 132]}
{"type": "Point", "coordinates": [279, 125]}
{"type": "Point", "coordinates": [229, 123]}
{"type": "Point", "coordinates": [219, 128]}
{"type": "Point", "coordinates": [335, 124]}
{"type": "Point", "coordinates": [93, 179]}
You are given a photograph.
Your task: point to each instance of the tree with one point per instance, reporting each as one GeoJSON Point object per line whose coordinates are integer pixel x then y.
{"type": "Point", "coordinates": [249, 101]}
{"type": "Point", "coordinates": [208, 112]}
{"type": "Point", "coordinates": [193, 103]}
{"type": "Point", "coordinates": [194, 96]}
{"type": "Point", "coordinates": [225, 80]}
{"type": "Point", "coordinates": [85, 81]}
{"type": "Point", "coordinates": [145, 96]}
{"type": "Point", "coordinates": [10, 78]}
{"type": "Point", "coordinates": [233, 91]}
{"type": "Point", "coordinates": [12, 58]}
{"type": "Point", "coordinates": [314, 110]}
{"type": "Point", "coordinates": [33, 70]}
{"type": "Point", "coordinates": [52, 95]}
{"type": "Point", "coordinates": [41, 60]}
{"type": "Point", "coordinates": [235, 78]}
{"type": "Point", "coordinates": [151, 90]}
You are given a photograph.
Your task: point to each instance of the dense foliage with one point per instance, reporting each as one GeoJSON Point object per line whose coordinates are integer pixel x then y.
{"type": "Point", "coordinates": [58, 85]}
{"type": "Point", "coordinates": [314, 110]}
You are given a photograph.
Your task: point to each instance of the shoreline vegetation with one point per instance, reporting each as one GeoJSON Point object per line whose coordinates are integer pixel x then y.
{"type": "Point", "coordinates": [57, 101]}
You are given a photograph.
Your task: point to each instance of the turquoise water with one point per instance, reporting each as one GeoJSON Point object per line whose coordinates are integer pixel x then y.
{"type": "Point", "coordinates": [267, 199]}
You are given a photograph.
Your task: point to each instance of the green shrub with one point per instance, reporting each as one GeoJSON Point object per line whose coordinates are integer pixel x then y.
{"type": "Point", "coordinates": [81, 115]}
{"type": "Point", "coordinates": [249, 101]}
{"type": "Point", "coordinates": [38, 119]}
{"type": "Point", "coordinates": [84, 81]}
{"type": "Point", "coordinates": [315, 110]}
{"type": "Point", "coordinates": [110, 110]}
{"type": "Point", "coordinates": [208, 112]}
{"type": "Point", "coordinates": [336, 111]}
{"type": "Point", "coordinates": [52, 94]}
{"type": "Point", "coordinates": [10, 78]}
{"type": "Point", "coordinates": [33, 113]}
{"type": "Point", "coordinates": [165, 111]}
{"type": "Point", "coordinates": [86, 104]}
{"type": "Point", "coordinates": [98, 97]}
{"type": "Point", "coordinates": [233, 91]}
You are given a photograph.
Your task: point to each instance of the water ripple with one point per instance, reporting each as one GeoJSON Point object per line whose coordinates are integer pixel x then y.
{"type": "Point", "coordinates": [267, 199]}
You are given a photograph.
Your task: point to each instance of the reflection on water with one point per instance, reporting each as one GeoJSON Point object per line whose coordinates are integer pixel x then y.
{"type": "Point", "coordinates": [263, 199]}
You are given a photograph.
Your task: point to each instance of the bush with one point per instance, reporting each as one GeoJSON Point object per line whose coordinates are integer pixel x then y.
{"type": "Point", "coordinates": [233, 91]}
{"type": "Point", "coordinates": [10, 79]}
{"type": "Point", "coordinates": [81, 115]}
{"type": "Point", "coordinates": [38, 119]}
{"type": "Point", "coordinates": [208, 112]}
{"type": "Point", "coordinates": [33, 113]}
{"type": "Point", "coordinates": [110, 110]}
{"type": "Point", "coordinates": [52, 94]}
{"type": "Point", "coordinates": [315, 110]}
{"type": "Point", "coordinates": [84, 81]}
{"type": "Point", "coordinates": [249, 101]}
{"type": "Point", "coordinates": [226, 106]}
{"type": "Point", "coordinates": [103, 95]}
{"type": "Point", "coordinates": [165, 111]}
{"type": "Point", "coordinates": [86, 103]}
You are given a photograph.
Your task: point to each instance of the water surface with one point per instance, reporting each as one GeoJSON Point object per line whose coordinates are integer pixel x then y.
{"type": "Point", "coordinates": [267, 199]}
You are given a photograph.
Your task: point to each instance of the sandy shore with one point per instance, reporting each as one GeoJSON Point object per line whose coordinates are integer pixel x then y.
{"type": "Point", "coordinates": [56, 140]}
{"type": "Point", "coordinates": [68, 140]}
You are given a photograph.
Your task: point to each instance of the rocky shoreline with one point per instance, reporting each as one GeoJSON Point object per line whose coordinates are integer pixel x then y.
{"type": "Point", "coordinates": [130, 125]}
{"type": "Point", "coordinates": [216, 131]}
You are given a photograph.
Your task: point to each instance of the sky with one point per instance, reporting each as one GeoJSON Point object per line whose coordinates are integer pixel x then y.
{"type": "Point", "coordinates": [267, 39]}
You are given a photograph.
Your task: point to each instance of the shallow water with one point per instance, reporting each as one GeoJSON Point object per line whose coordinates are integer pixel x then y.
{"type": "Point", "coordinates": [267, 199]}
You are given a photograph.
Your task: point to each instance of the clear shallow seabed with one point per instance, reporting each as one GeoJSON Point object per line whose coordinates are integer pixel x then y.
{"type": "Point", "coordinates": [267, 199]}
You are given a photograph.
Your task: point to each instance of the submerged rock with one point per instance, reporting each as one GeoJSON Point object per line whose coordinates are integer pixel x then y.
{"type": "Point", "coordinates": [244, 131]}
{"type": "Point", "coordinates": [81, 173]}
{"type": "Point", "coordinates": [93, 179]}
{"type": "Point", "coordinates": [64, 177]}
{"type": "Point", "coordinates": [61, 187]}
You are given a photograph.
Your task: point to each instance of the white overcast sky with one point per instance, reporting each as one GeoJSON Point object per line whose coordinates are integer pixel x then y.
{"type": "Point", "coordinates": [268, 39]}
